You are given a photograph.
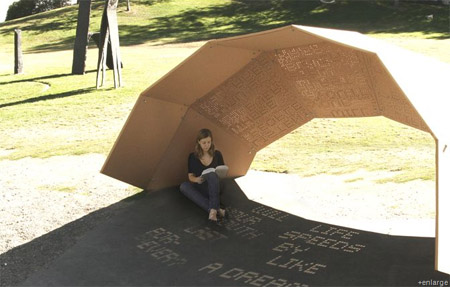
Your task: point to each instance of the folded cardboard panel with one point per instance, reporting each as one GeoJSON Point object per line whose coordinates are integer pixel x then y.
{"type": "Point", "coordinates": [198, 74]}
{"type": "Point", "coordinates": [144, 138]}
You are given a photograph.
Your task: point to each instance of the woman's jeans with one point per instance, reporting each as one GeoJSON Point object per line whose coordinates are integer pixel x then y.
{"type": "Point", "coordinates": [205, 195]}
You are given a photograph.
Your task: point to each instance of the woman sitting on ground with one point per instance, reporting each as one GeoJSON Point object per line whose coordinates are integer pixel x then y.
{"type": "Point", "coordinates": [204, 190]}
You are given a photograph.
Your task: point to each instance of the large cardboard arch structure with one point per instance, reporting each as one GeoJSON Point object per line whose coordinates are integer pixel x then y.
{"type": "Point", "coordinates": [251, 90]}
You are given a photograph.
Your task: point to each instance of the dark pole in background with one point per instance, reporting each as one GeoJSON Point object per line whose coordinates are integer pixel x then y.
{"type": "Point", "coordinates": [109, 33]}
{"type": "Point", "coordinates": [81, 38]}
{"type": "Point", "coordinates": [18, 60]}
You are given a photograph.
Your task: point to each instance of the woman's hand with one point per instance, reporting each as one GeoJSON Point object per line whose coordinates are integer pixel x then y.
{"type": "Point", "coordinates": [195, 179]}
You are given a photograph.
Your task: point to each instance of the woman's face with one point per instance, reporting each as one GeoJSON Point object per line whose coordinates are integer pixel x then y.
{"type": "Point", "coordinates": [205, 144]}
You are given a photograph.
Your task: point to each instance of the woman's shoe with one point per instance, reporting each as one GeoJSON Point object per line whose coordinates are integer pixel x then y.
{"type": "Point", "coordinates": [221, 212]}
{"type": "Point", "coordinates": [213, 215]}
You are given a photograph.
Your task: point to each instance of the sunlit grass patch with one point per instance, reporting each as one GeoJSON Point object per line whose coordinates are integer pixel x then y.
{"type": "Point", "coordinates": [343, 146]}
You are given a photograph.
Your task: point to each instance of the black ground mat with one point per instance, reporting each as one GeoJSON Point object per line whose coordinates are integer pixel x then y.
{"type": "Point", "coordinates": [163, 239]}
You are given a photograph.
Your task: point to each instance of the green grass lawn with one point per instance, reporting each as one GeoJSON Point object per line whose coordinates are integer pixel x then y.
{"type": "Point", "coordinates": [72, 116]}
{"type": "Point", "coordinates": [340, 146]}
{"type": "Point", "coordinates": [46, 111]}
{"type": "Point", "coordinates": [181, 21]}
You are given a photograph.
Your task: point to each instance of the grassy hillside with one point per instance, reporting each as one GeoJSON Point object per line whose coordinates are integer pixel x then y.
{"type": "Point", "coordinates": [177, 21]}
{"type": "Point", "coordinates": [47, 111]}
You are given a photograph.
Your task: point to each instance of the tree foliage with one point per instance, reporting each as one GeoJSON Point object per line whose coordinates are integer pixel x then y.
{"type": "Point", "coordinates": [24, 8]}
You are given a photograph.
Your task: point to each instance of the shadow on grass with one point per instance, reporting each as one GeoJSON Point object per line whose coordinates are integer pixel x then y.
{"type": "Point", "coordinates": [62, 21]}
{"type": "Point", "coordinates": [48, 97]}
{"type": "Point", "coordinates": [57, 19]}
{"type": "Point", "coordinates": [37, 79]}
{"type": "Point", "coordinates": [241, 17]}
{"type": "Point", "coordinates": [245, 16]}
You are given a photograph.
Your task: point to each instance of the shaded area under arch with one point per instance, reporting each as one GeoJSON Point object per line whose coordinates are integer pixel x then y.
{"type": "Point", "coordinates": [162, 233]}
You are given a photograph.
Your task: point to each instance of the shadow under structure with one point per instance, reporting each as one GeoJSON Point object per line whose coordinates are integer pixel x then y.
{"type": "Point", "coordinates": [253, 89]}
{"type": "Point", "coordinates": [163, 239]}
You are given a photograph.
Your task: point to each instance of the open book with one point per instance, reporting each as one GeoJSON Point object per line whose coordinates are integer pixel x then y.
{"type": "Point", "coordinates": [221, 171]}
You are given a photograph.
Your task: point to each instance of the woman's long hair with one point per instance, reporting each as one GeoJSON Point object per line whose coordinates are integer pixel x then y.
{"type": "Point", "coordinates": [202, 134]}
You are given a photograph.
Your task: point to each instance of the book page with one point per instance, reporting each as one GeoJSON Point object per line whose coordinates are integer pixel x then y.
{"type": "Point", "coordinates": [208, 170]}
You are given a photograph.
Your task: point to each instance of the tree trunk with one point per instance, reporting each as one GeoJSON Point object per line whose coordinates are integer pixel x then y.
{"type": "Point", "coordinates": [128, 6]}
{"type": "Point", "coordinates": [81, 38]}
